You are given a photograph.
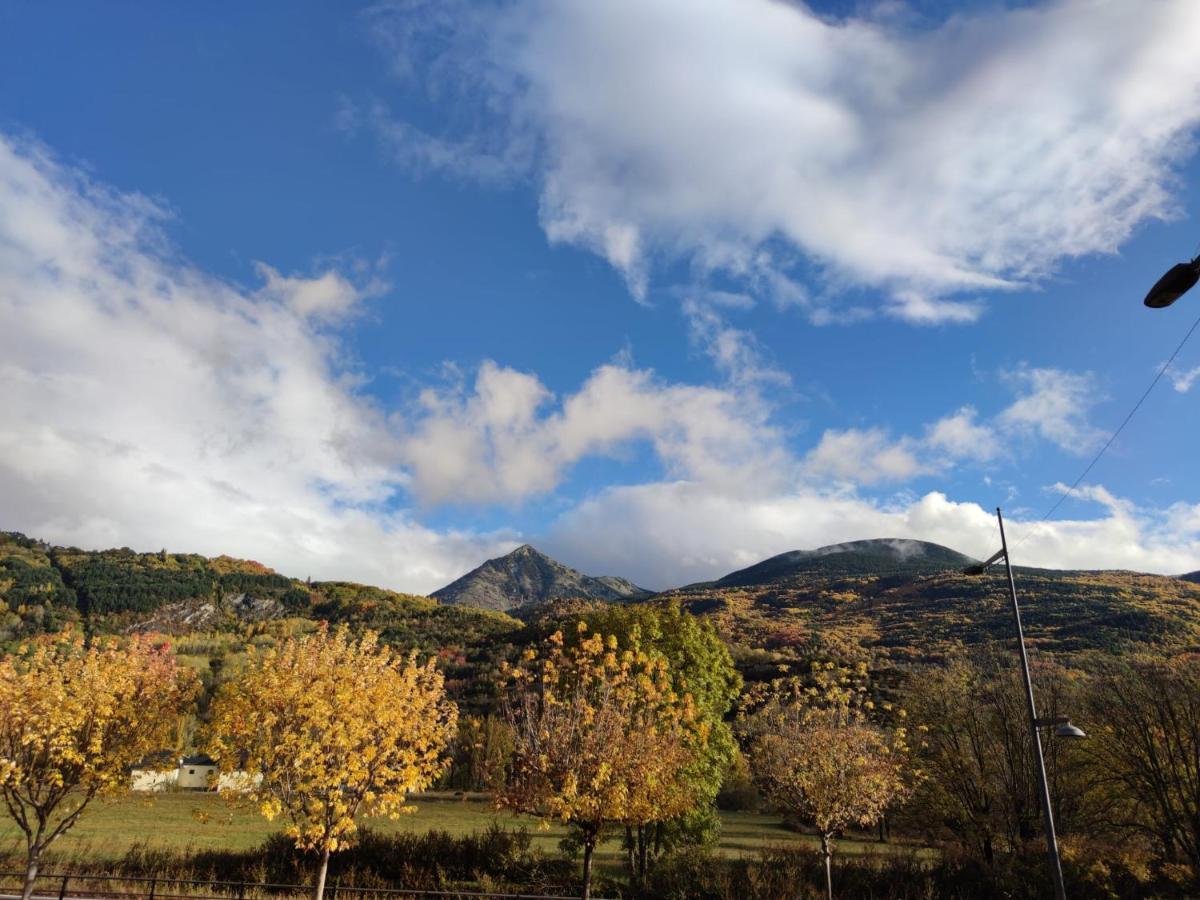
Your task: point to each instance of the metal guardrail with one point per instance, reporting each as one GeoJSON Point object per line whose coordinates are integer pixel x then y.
{"type": "Point", "coordinates": [72, 886]}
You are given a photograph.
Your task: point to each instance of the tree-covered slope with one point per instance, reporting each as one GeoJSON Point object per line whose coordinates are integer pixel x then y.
{"type": "Point", "coordinates": [33, 597]}
{"type": "Point", "coordinates": [42, 587]}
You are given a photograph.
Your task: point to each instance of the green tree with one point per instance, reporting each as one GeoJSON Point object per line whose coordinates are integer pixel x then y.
{"type": "Point", "coordinates": [700, 666]}
{"type": "Point", "coordinates": [482, 753]}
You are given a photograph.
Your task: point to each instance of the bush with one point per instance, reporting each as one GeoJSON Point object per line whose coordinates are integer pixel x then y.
{"type": "Point", "coordinates": [495, 859]}
{"type": "Point", "coordinates": [792, 874]}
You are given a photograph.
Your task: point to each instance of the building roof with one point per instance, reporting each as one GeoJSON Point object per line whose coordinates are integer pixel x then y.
{"type": "Point", "coordinates": [200, 759]}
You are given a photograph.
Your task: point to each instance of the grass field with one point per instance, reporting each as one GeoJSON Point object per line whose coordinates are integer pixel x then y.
{"type": "Point", "coordinates": [202, 821]}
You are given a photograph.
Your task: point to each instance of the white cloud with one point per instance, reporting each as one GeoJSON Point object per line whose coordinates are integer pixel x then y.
{"type": "Point", "coordinates": [661, 535]}
{"type": "Point", "coordinates": [1183, 381]}
{"type": "Point", "coordinates": [143, 402]}
{"type": "Point", "coordinates": [864, 456]}
{"type": "Point", "coordinates": [966, 157]}
{"type": "Point", "coordinates": [961, 437]}
{"type": "Point", "coordinates": [734, 351]}
{"type": "Point", "coordinates": [506, 438]}
{"type": "Point", "coordinates": [1054, 407]}
{"type": "Point", "coordinates": [327, 296]}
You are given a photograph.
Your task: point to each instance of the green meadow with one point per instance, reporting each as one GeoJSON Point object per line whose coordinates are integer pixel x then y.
{"type": "Point", "coordinates": [182, 821]}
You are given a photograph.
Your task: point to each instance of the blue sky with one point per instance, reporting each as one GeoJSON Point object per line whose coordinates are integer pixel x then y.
{"type": "Point", "coordinates": [376, 291]}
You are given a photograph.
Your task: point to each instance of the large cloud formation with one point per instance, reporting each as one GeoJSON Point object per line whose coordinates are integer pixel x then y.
{"type": "Point", "coordinates": [144, 402]}
{"type": "Point", "coordinates": [742, 136]}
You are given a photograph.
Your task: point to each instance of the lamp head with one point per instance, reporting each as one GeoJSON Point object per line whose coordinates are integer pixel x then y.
{"type": "Point", "coordinates": [1180, 278]}
{"type": "Point", "coordinates": [980, 568]}
{"type": "Point", "coordinates": [1067, 730]}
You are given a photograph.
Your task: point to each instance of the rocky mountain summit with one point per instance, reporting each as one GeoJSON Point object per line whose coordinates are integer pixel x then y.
{"type": "Point", "coordinates": [528, 577]}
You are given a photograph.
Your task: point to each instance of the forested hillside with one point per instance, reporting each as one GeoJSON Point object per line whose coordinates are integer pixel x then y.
{"type": "Point", "coordinates": [213, 608]}
{"type": "Point", "coordinates": [895, 603]}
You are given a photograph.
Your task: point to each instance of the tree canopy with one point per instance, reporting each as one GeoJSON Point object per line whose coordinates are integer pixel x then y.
{"type": "Point", "coordinates": [330, 727]}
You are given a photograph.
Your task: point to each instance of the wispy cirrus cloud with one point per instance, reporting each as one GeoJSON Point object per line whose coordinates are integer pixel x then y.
{"type": "Point", "coordinates": [938, 163]}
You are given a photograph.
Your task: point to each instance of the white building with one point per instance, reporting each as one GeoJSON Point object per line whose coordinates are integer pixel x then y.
{"type": "Point", "coordinates": [193, 773]}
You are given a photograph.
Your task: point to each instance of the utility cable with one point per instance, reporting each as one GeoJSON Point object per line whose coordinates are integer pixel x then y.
{"type": "Point", "coordinates": [1082, 475]}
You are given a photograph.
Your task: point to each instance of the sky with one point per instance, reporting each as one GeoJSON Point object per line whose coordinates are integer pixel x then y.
{"type": "Point", "coordinates": [376, 291]}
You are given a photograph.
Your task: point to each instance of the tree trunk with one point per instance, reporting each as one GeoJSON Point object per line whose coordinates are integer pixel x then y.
{"type": "Point", "coordinates": [643, 844]}
{"type": "Point", "coordinates": [31, 871]}
{"type": "Point", "coordinates": [589, 844]}
{"type": "Point", "coordinates": [630, 853]}
{"type": "Point", "coordinates": [827, 852]}
{"type": "Point", "coordinates": [319, 887]}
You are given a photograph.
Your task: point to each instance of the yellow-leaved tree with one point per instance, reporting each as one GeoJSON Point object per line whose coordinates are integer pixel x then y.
{"type": "Point", "coordinates": [816, 755]}
{"type": "Point", "coordinates": [329, 727]}
{"type": "Point", "coordinates": [73, 719]}
{"type": "Point", "coordinates": [600, 737]}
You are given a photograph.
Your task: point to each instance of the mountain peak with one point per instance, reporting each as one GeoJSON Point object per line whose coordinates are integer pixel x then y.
{"type": "Point", "coordinates": [526, 576]}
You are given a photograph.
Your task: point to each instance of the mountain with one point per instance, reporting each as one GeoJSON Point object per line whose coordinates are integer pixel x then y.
{"type": "Point", "coordinates": [878, 556]}
{"type": "Point", "coordinates": [527, 577]}
{"type": "Point", "coordinates": [1191, 576]}
{"type": "Point", "coordinates": [898, 603]}
{"type": "Point", "coordinates": [908, 603]}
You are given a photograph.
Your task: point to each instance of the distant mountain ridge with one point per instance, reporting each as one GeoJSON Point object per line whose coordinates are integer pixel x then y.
{"type": "Point", "coordinates": [528, 577]}
{"type": "Point", "coordinates": [909, 602]}
{"type": "Point", "coordinates": [875, 556]}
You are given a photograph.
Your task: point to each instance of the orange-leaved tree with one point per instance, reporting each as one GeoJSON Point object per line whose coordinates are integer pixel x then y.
{"type": "Point", "coordinates": [73, 719]}
{"type": "Point", "coordinates": [816, 755]}
{"type": "Point", "coordinates": [329, 727]}
{"type": "Point", "coordinates": [600, 737]}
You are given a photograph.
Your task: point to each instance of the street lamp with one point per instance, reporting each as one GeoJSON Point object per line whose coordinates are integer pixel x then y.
{"type": "Point", "coordinates": [1062, 727]}
{"type": "Point", "coordinates": [1180, 278]}
{"type": "Point", "coordinates": [1061, 724]}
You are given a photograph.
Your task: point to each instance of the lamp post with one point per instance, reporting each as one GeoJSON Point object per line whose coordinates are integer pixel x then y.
{"type": "Point", "coordinates": [1062, 725]}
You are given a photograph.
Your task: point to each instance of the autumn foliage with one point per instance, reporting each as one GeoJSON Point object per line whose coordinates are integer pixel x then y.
{"type": "Point", "coordinates": [817, 756]}
{"type": "Point", "coordinates": [601, 737]}
{"type": "Point", "coordinates": [73, 720]}
{"type": "Point", "coordinates": [328, 728]}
